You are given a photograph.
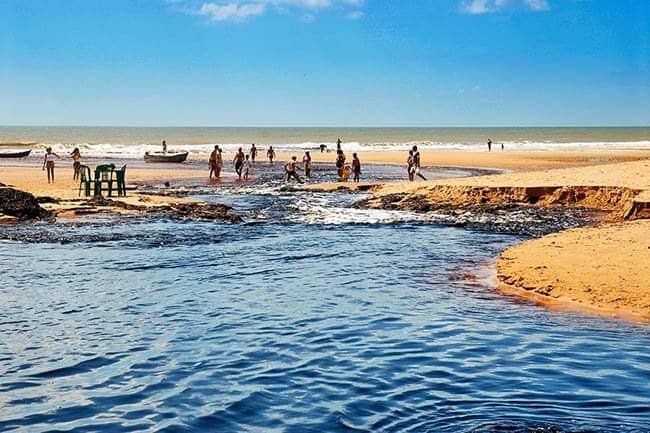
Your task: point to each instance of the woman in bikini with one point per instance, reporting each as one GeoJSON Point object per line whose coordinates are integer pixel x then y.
{"type": "Point", "coordinates": [48, 162]}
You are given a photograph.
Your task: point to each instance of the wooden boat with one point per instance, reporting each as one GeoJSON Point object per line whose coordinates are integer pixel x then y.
{"type": "Point", "coordinates": [15, 154]}
{"type": "Point", "coordinates": [165, 157]}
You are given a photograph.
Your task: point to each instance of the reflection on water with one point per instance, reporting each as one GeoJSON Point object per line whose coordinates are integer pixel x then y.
{"type": "Point", "coordinates": [294, 327]}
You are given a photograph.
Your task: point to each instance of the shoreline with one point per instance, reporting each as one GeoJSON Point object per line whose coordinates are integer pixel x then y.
{"type": "Point", "coordinates": [562, 270]}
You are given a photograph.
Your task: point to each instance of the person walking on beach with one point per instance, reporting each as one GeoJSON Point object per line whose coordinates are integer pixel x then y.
{"type": "Point", "coordinates": [338, 144]}
{"type": "Point", "coordinates": [306, 162]}
{"type": "Point", "coordinates": [76, 163]}
{"type": "Point", "coordinates": [340, 163]}
{"type": "Point", "coordinates": [290, 170]}
{"type": "Point", "coordinates": [253, 153]}
{"type": "Point", "coordinates": [489, 143]}
{"type": "Point", "coordinates": [213, 162]}
{"type": "Point", "coordinates": [247, 168]}
{"type": "Point", "coordinates": [238, 162]}
{"type": "Point", "coordinates": [48, 162]}
{"type": "Point", "coordinates": [270, 154]}
{"type": "Point", "coordinates": [416, 163]}
{"type": "Point", "coordinates": [356, 167]}
{"type": "Point", "coordinates": [410, 169]}
{"type": "Point", "coordinates": [164, 146]}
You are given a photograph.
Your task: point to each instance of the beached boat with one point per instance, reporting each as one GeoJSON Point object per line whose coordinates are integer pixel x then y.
{"type": "Point", "coordinates": [15, 154]}
{"type": "Point", "coordinates": [165, 157]}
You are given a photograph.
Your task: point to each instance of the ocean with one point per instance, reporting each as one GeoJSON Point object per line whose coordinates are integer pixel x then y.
{"type": "Point", "coordinates": [135, 141]}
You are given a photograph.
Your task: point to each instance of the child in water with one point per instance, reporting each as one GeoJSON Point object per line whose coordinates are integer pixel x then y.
{"type": "Point", "coordinates": [247, 168]}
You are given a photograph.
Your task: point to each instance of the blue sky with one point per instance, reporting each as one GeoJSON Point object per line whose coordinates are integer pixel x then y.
{"type": "Point", "coordinates": [325, 62]}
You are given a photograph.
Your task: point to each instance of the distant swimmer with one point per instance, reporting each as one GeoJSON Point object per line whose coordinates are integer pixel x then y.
{"type": "Point", "coordinates": [253, 152]}
{"type": "Point", "coordinates": [164, 146]}
{"type": "Point", "coordinates": [306, 163]}
{"type": "Point", "coordinates": [290, 170]}
{"type": "Point", "coordinates": [270, 154]}
{"type": "Point", "coordinates": [489, 143]}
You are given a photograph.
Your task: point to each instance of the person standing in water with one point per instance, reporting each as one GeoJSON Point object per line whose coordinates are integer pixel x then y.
{"type": "Point", "coordinates": [76, 162]}
{"type": "Point", "coordinates": [270, 154]}
{"type": "Point", "coordinates": [219, 162]}
{"type": "Point", "coordinates": [290, 170]}
{"type": "Point", "coordinates": [48, 162]}
{"type": "Point", "coordinates": [356, 167]}
{"type": "Point", "coordinates": [306, 162]}
{"type": "Point", "coordinates": [340, 163]}
{"type": "Point", "coordinates": [164, 146]}
{"type": "Point", "coordinates": [416, 163]}
{"type": "Point", "coordinates": [489, 143]}
{"type": "Point", "coordinates": [253, 152]}
{"type": "Point", "coordinates": [247, 168]}
{"type": "Point", "coordinates": [338, 144]}
{"type": "Point", "coordinates": [238, 162]}
{"type": "Point", "coordinates": [213, 162]}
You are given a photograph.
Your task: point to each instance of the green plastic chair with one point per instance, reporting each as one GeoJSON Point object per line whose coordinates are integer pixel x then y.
{"type": "Point", "coordinates": [85, 179]}
{"type": "Point", "coordinates": [104, 175]}
{"type": "Point", "coordinates": [120, 177]}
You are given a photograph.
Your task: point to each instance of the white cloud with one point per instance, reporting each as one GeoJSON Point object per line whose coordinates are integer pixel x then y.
{"type": "Point", "coordinates": [231, 11]}
{"type": "Point", "coordinates": [354, 15]}
{"type": "Point", "coordinates": [241, 10]}
{"type": "Point", "coordinates": [537, 5]}
{"type": "Point", "coordinates": [477, 7]}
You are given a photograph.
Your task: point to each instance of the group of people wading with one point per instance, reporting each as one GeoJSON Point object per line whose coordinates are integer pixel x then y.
{"type": "Point", "coordinates": [243, 164]}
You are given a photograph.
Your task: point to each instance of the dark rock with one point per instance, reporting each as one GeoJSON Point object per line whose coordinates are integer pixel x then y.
{"type": "Point", "coordinates": [21, 205]}
{"type": "Point", "coordinates": [188, 211]}
{"type": "Point", "coordinates": [47, 199]}
{"type": "Point", "coordinates": [199, 212]}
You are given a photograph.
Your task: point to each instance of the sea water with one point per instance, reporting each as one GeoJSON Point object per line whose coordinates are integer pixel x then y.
{"type": "Point", "coordinates": [308, 317]}
{"type": "Point", "coordinates": [135, 141]}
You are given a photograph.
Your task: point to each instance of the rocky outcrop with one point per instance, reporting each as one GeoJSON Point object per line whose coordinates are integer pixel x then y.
{"type": "Point", "coordinates": [196, 211]}
{"type": "Point", "coordinates": [21, 205]}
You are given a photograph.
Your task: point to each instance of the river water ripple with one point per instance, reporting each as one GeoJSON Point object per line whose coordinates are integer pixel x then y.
{"type": "Point", "coordinates": [299, 326]}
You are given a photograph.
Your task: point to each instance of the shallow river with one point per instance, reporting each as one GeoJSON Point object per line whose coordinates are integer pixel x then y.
{"type": "Point", "coordinates": [300, 320]}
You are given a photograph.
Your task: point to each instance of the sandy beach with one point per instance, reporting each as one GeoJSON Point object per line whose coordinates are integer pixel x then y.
{"type": "Point", "coordinates": [562, 270]}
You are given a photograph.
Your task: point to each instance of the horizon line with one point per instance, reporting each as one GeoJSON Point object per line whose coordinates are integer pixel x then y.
{"type": "Point", "coordinates": [66, 125]}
